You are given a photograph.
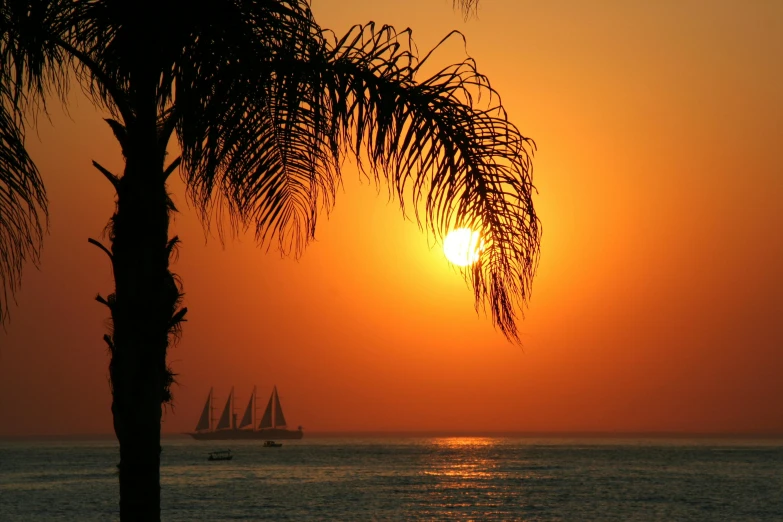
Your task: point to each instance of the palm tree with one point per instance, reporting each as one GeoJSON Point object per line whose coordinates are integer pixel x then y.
{"type": "Point", "coordinates": [263, 103]}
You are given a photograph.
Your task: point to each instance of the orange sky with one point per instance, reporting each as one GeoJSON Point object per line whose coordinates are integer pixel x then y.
{"type": "Point", "coordinates": [658, 305]}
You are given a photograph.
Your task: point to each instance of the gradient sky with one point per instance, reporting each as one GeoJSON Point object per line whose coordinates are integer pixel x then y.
{"type": "Point", "coordinates": [658, 305]}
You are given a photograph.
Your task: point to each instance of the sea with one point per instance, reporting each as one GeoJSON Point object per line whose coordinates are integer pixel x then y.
{"type": "Point", "coordinates": [367, 478]}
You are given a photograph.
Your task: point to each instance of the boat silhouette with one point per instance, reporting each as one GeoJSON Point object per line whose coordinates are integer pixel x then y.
{"type": "Point", "coordinates": [271, 426]}
{"type": "Point", "coordinates": [221, 455]}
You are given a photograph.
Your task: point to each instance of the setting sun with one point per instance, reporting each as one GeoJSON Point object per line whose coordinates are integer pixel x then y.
{"type": "Point", "coordinates": [462, 246]}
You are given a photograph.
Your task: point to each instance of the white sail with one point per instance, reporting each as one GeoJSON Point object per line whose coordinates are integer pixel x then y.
{"type": "Point", "coordinates": [225, 417]}
{"type": "Point", "coordinates": [247, 418]}
{"type": "Point", "coordinates": [203, 422]}
{"type": "Point", "coordinates": [266, 420]}
{"type": "Point", "coordinates": [279, 421]}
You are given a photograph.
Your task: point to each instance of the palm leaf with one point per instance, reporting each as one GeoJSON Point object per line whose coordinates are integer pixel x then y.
{"type": "Point", "coordinates": [233, 117]}
{"type": "Point", "coordinates": [468, 7]}
{"type": "Point", "coordinates": [444, 147]}
{"type": "Point", "coordinates": [22, 209]}
{"type": "Point", "coordinates": [459, 161]}
{"type": "Point", "coordinates": [29, 67]}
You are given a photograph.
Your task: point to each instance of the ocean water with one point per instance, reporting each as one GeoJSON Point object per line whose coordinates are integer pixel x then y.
{"type": "Point", "coordinates": [435, 478]}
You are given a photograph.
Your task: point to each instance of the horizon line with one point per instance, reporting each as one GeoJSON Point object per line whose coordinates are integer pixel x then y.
{"type": "Point", "coordinates": [558, 434]}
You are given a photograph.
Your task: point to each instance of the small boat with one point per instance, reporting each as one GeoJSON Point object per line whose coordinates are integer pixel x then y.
{"type": "Point", "coordinates": [272, 444]}
{"type": "Point", "coordinates": [221, 455]}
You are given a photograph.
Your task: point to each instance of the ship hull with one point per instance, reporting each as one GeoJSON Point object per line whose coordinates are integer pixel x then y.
{"type": "Point", "coordinates": [265, 434]}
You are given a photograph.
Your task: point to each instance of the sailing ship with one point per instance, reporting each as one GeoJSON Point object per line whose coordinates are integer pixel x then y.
{"type": "Point", "coordinates": [272, 425]}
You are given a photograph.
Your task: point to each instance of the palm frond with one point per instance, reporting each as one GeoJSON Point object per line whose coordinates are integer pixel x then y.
{"type": "Point", "coordinates": [23, 211]}
{"type": "Point", "coordinates": [234, 117]}
{"type": "Point", "coordinates": [31, 63]}
{"type": "Point", "coordinates": [443, 145]}
{"type": "Point", "coordinates": [468, 7]}
{"type": "Point", "coordinates": [446, 144]}
{"type": "Point", "coordinates": [32, 66]}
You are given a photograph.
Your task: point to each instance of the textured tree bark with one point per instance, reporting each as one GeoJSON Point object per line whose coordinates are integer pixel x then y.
{"type": "Point", "coordinates": [142, 307]}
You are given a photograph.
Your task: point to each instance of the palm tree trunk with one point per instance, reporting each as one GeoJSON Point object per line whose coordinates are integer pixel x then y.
{"type": "Point", "coordinates": [145, 297]}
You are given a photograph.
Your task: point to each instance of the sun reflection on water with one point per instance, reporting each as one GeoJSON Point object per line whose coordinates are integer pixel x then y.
{"type": "Point", "coordinates": [465, 458]}
{"type": "Point", "coordinates": [465, 473]}
{"type": "Point", "coordinates": [463, 442]}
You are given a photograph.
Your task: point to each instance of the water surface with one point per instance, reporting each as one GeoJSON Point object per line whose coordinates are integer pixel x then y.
{"type": "Point", "coordinates": [432, 478]}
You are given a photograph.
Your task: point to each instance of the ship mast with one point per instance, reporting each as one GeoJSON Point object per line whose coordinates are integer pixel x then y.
{"type": "Point", "coordinates": [255, 406]}
{"type": "Point", "coordinates": [274, 419]}
{"type": "Point", "coordinates": [233, 416]}
{"type": "Point", "coordinates": [211, 410]}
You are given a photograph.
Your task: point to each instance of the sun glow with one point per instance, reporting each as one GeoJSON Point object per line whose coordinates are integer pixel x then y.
{"type": "Point", "coordinates": [462, 246]}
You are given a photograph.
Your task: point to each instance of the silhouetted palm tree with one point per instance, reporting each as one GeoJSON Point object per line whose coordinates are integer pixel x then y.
{"type": "Point", "coordinates": [263, 104]}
